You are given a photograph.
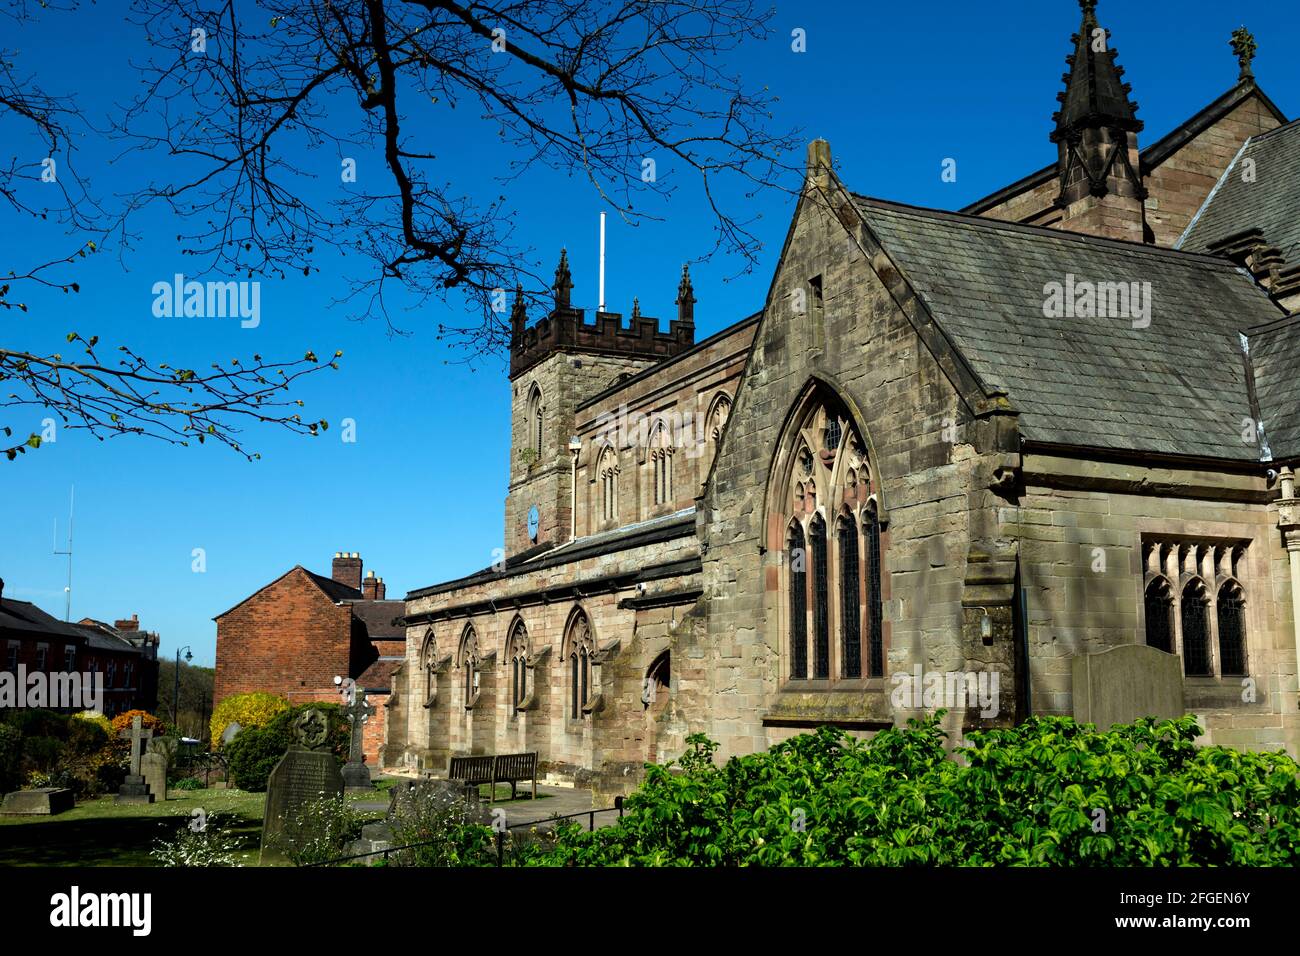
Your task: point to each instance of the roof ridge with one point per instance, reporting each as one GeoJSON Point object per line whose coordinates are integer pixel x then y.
{"type": "Point", "coordinates": [1081, 237]}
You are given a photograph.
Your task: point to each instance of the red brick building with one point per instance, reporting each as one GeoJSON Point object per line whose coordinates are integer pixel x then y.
{"type": "Point", "coordinates": [296, 634]}
{"type": "Point", "coordinates": [124, 657]}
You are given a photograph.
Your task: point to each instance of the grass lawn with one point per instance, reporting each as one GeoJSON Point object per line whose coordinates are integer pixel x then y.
{"type": "Point", "coordinates": [99, 832]}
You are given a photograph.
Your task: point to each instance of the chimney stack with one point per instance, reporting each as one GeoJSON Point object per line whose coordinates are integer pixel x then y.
{"type": "Point", "coordinates": [347, 569]}
{"type": "Point", "coordinates": [370, 587]}
{"type": "Point", "coordinates": [131, 625]}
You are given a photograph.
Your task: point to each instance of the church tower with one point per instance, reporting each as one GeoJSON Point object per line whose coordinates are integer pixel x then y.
{"type": "Point", "coordinates": [1098, 165]}
{"type": "Point", "coordinates": [555, 365]}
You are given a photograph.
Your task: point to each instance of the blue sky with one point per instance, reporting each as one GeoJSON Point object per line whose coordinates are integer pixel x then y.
{"type": "Point", "coordinates": [897, 89]}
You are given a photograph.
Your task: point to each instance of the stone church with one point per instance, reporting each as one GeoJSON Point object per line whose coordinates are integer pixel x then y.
{"type": "Point", "coordinates": [983, 443]}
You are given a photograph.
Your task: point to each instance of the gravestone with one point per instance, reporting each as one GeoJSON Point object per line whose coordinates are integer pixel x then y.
{"type": "Point", "coordinates": [44, 801]}
{"type": "Point", "coordinates": [304, 774]}
{"type": "Point", "coordinates": [356, 775]}
{"type": "Point", "coordinates": [153, 767]}
{"type": "Point", "coordinates": [134, 789]}
{"type": "Point", "coordinates": [1121, 684]}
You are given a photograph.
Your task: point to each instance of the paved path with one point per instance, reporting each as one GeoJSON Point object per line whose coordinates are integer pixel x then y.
{"type": "Point", "coordinates": [551, 802]}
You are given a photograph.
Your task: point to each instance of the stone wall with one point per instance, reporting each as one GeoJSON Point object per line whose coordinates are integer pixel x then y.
{"type": "Point", "coordinates": [1081, 529]}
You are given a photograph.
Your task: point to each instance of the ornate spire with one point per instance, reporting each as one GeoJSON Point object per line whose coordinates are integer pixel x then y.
{"type": "Point", "coordinates": [1243, 45]}
{"type": "Point", "coordinates": [685, 296]}
{"type": "Point", "coordinates": [636, 308]}
{"type": "Point", "coordinates": [563, 282]}
{"type": "Point", "coordinates": [1094, 96]}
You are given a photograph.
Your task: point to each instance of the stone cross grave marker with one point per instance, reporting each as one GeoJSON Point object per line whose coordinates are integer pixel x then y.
{"type": "Point", "coordinates": [356, 775]}
{"type": "Point", "coordinates": [134, 789]}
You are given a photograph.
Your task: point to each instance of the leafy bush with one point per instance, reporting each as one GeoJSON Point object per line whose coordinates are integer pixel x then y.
{"type": "Point", "coordinates": [11, 752]}
{"type": "Point", "coordinates": [42, 754]}
{"type": "Point", "coordinates": [36, 722]}
{"type": "Point", "coordinates": [253, 754]}
{"type": "Point", "coordinates": [198, 844]}
{"type": "Point", "coordinates": [319, 831]}
{"type": "Point", "coordinates": [99, 720]}
{"type": "Point", "coordinates": [148, 721]}
{"type": "Point", "coordinates": [1049, 792]}
{"type": "Point", "coordinates": [447, 826]}
{"type": "Point", "coordinates": [188, 783]}
{"type": "Point", "coordinates": [248, 710]}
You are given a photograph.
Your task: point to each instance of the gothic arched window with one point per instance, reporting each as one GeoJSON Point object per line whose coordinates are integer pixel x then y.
{"type": "Point", "coordinates": [1194, 617]}
{"type": "Point", "coordinates": [821, 600]}
{"type": "Point", "coordinates": [661, 465]}
{"type": "Point", "coordinates": [718, 417]}
{"type": "Point", "coordinates": [428, 667]}
{"type": "Point", "coordinates": [875, 599]}
{"type": "Point", "coordinates": [517, 654]}
{"type": "Point", "coordinates": [468, 664]}
{"type": "Point", "coordinates": [798, 603]}
{"type": "Point", "coordinates": [850, 604]}
{"type": "Point", "coordinates": [535, 421]}
{"type": "Point", "coordinates": [607, 475]}
{"type": "Point", "coordinates": [1231, 610]}
{"type": "Point", "coordinates": [579, 648]}
{"type": "Point", "coordinates": [832, 599]}
{"type": "Point", "coordinates": [1159, 605]}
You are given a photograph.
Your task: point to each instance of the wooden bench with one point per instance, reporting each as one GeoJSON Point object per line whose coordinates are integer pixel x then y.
{"type": "Point", "coordinates": [494, 769]}
{"type": "Point", "coordinates": [471, 771]}
{"type": "Point", "coordinates": [512, 768]}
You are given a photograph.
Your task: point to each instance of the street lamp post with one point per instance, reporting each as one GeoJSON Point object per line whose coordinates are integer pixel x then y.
{"type": "Point", "coordinates": [176, 682]}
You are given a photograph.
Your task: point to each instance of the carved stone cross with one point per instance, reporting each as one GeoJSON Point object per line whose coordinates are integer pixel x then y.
{"type": "Point", "coordinates": [357, 712]}
{"type": "Point", "coordinates": [138, 734]}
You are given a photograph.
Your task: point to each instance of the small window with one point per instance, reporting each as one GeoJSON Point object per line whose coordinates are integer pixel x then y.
{"type": "Point", "coordinates": [70, 658]}
{"type": "Point", "coordinates": [42, 655]}
{"type": "Point", "coordinates": [1196, 630]}
{"type": "Point", "coordinates": [1160, 616]}
{"type": "Point", "coordinates": [1231, 609]}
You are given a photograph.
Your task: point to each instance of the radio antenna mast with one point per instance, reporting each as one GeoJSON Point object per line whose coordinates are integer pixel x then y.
{"type": "Point", "coordinates": [67, 606]}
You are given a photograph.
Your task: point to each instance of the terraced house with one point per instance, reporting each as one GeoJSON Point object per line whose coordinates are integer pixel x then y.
{"type": "Point", "coordinates": [986, 442]}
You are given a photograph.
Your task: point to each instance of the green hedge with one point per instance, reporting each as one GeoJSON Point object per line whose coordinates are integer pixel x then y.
{"type": "Point", "coordinates": [1049, 792]}
{"type": "Point", "coordinates": [254, 752]}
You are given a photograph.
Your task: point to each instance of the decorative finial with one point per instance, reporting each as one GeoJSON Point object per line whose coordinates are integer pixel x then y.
{"type": "Point", "coordinates": [563, 281]}
{"type": "Point", "coordinates": [1089, 8]}
{"type": "Point", "coordinates": [685, 296]}
{"type": "Point", "coordinates": [1243, 45]}
{"type": "Point", "coordinates": [519, 311]}
{"type": "Point", "coordinates": [636, 308]}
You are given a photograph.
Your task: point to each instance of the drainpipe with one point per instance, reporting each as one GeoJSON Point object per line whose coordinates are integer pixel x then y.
{"type": "Point", "coordinates": [1288, 519]}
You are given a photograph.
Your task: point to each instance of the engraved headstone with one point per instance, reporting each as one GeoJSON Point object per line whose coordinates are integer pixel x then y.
{"type": "Point", "coordinates": [1121, 684]}
{"type": "Point", "coordinates": [134, 789]}
{"type": "Point", "coordinates": [153, 767]}
{"type": "Point", "coordinates": [305, 773]}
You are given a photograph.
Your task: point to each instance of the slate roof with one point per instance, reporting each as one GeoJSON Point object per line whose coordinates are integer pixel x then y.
{"type": "Point", "coordinates": [1176, 387]}
{"type": "Point", "coordinates": [378, 617]}
{"type": "Point", "coordinates": [1270, 203]}
{"type": "Point", "coordinates": [333, 589]}
{"type": "Point", "coordinates": [1275, 354]}
{"type": "Point", "coordinates": [378, 677]}
{"type": "Point", "coordinates": [16, 616]}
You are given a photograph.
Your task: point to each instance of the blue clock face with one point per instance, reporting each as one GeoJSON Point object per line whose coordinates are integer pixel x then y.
{"type": "Point", "coordinates": [534, 522]}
